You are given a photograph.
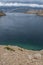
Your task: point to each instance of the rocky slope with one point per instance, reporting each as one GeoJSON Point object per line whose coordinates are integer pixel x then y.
{"type": "Point", "coordinates": [37, 12]}
{"type": "Point", "coordinates": [2, 14]}
{"type": "Point", "coordinates": [13, 55]}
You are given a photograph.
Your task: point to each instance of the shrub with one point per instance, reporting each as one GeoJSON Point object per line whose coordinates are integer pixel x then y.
{"type": "Point", "coordinates": [8, 48]}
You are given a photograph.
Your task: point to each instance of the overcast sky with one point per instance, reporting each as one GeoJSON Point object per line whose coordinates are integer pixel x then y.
{"type": "Point", "coordinates": [25, 0]}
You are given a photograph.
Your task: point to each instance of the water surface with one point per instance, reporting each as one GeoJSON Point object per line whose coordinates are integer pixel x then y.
{"type": "Point", "coordinates": [22, 29]}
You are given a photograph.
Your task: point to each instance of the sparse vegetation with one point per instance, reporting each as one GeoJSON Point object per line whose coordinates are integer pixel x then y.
{"type": "Point", "coordinates": [8, 48]}
{"type": "Point", "coordinates": [20, 49]}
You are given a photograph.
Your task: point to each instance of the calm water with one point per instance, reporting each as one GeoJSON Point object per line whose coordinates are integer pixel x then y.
{"type": "Point", "coordinates": [22, 29]}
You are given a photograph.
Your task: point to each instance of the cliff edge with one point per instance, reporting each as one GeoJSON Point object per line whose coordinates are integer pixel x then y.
{"type": "Point", "coordinates": [13, 55]}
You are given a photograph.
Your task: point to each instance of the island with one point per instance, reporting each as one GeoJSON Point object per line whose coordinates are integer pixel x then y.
{"type": "Point", "coordinates": [14, 55]}
{"type": "Point", "coordinates": [37, 12]}
{"type": "Point", "coordinates": [2, 13]}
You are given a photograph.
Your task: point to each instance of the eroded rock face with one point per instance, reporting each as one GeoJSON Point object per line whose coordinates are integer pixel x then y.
{"type": "Point", "coordinates": [20, 56]}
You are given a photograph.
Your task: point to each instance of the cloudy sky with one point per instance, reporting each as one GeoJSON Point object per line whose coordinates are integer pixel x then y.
{"type": "Point", "coordinates": [25, 0]}
{"type": "Point", "coordinates": [21, 0]}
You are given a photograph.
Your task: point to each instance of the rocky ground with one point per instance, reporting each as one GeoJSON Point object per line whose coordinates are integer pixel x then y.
{"type": "Point", "coordinates": [37, 12]}
{"type": "Point", "coordinates": [13, 55]}
{"type": "Point", "coordinates": [2, 13]}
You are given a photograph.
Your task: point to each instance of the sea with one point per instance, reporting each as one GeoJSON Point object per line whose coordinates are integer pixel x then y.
{"type": "Point", "coordinates": [20, 29]}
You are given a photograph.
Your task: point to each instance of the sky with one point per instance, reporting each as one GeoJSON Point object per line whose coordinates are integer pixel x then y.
{"type": "Point", "coordinates": [32, 3]}
{"type": "Point", "coordinates": [23, 0]}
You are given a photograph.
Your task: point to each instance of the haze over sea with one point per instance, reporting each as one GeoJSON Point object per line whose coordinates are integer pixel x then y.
{"type": "Point", "coordinates": [17, 28]}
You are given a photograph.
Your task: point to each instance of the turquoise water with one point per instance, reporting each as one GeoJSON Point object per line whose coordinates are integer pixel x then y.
{"type": "Point", "coordinates": [22, 30]}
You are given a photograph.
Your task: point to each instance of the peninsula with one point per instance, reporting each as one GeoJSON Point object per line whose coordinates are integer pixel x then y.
{"type": "Point", "coordinates": [37, 12]}
{"type": "Point", "coordinates": [2, 13]}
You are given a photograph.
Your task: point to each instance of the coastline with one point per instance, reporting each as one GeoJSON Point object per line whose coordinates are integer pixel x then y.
{"type": "Point", "coordinates": [2, 13]}
{"type": "Point", "coordinates": [37, 12]}
{"type": "Point", "coordinates": [15, 55]}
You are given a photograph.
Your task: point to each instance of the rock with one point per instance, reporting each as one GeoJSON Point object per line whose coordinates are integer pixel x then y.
{"type": "Point", "coordinates": [2, 13]}
{"type": "Point", "coordinates": [37, 56]}
{"type": "Point", "coordinates": [30, 57]}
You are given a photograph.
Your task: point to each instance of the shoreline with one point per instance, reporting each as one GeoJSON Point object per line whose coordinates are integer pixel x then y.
{"type": "Point", "coordinates": [19, 47]}
{"type": "Point", "coordinates": [2, 13]}
{"type": "Point", "coordinates": [37, 12]}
